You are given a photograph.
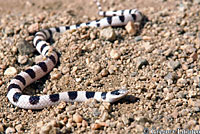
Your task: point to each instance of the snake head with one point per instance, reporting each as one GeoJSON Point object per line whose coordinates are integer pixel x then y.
{"type": "Point", "coordinates": [116, 95]}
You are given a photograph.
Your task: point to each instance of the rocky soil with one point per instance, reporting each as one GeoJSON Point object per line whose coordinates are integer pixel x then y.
{"type": "Point", "coordinates": [159, 65]}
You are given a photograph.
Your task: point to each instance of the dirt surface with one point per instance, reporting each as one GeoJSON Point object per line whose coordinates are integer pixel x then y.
{"type": "Point", "coordinates": [159, 66]}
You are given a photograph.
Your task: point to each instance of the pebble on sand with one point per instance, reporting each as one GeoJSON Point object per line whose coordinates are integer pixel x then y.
{"type": "Point", "coordinates": [77, 118]}
{"type": "Point", "coordinates": [10, 71]}
{"type": "Point", "coordinates": [108, 34]}
{"type": "Point", "coordinates": [131, 28]}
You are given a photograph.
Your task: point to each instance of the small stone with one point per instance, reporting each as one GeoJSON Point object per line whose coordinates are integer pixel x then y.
{"type": "Point", "coordinates": [77, 118]}
{"type": "Point", "coordinates": [168, 52]}
{"type": "Point", "coordinates": [65, 70]}
{"type": "Point", "coordinates": [174, 64]}
{"type": "Point", "coordinates": [92, 35]}
{"type": "Point", "coordinates": [14, 49]}
{"type": "Point", "coordinates": [1, 82]}
{"type": "Point", "coordinates": [104, 73]}
{"type": "Point", "coordinates": [10, 130]}
{"type": "Point", "coordinates": [170, 76]}
{"type": "Point", "coordinates": [61, 105]}
{"type": "Point", "coordinates": [96, 126]}
{"type": "Point", "coordinates": [181, 94]}
{"type": "Point", "coordinates": [175, 114]}
{"type": "Point", "coordinates": [95, 67]}
{"type": "Point", "coordinates": [10, 71]}
{"type": "Point", "coordinates": [125, 120]}
{"type": "Point", "coordinates": [182, 7]}
{"type": "Point", "coordinates": [33, 28]}
{"type": "Point", "coordinates": [194, 103]}
{"type": "Point", "coordinates": [108, 34]}
{"type": "Point", "coordinates": [181, 82]}
{"type": "Point", "coordinates": [104, 116]}
{"type": "Point", "coordinates": [96, 112]}
{"type": "Point", "coordinates": [106, 105]}
{"type": "Point", "coordinates": [140, 62]}
{"type": "Point", "coordinates": [138, 38]}
{"type": "Point", "coordinates": [40, 123]}
{"type": "Point", "coordinates": [169, 96]}
{"type": "Point", "coordinates": [194, 56]}
{"type": "Point", "coordinates": [185, 66]}
{"type": "Point", "coordinates": [148, 47]}
{"type": "Point", "coordinates": [84, 123]}
{"type": "Point", "coordinates": [24, 47]}
{"type": "Point", "coordinates": [142, 119]}
{"type": "Point", "coordinates": [9, 31]}
{"type": "Point", "coordinates": [53, 123]}
{"type": "Point", "coordinates": [19, 127]}
{"type": "Point", "coordinates": [189, 72]}
{"type": "Point", "coordinates": [78, 79]}
{"type": "Point", "coordinates": [131, 28]}
{"type": "Point", "coordinates": [114, 54]}
{"type": "Point", "coordinates": [134, 74]}
{"type": "Point", "coordinates": [139, 128]}
{"type": "Point", "coordinates": [69, 125]}
{"type": "Point", "coordinates": [45, 129]}
{"type": "Point", "coordinates": [74, 69]}
{"type": "Point", "coordinates": [196, 1]}
{"type": "Point", "coordinates": [192, 123]}
{"type": "Point", "coordinates": [1, 128]}
{"type": "Point", "coordinates": [196, 109]}
{"type": "Point", "coordinates": [22, 59]}
{"type": "Point", "coordinates": [146, 38]}
{"type": "Point", "coordinates": [55, 75]}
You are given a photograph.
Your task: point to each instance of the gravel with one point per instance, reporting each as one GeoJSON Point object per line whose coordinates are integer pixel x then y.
{"type": "Point", "coordinates": [158, 64]}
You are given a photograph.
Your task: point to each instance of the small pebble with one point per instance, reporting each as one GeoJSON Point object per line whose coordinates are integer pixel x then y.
{"type": "Point", "coordinates": [194, 103]}
{"type": "Point", "coordinates": [174, 64]}
{"type": "Point", "coordinates": [140, 62]}
{"type": "Point", "coordinates": [169, 96]}
{"type": "Point", "coordinates": [138, 38]}
{"type": "Point", "coordinates": [22, 59]}
{"type": "Point", "coordinates": [19, 127]}
{"type": "Point", "coordinates": [114, 54]}
{"type": "Point", "coordinates": [131, 28]}
{"type": "Point", "coordinates": [189, 72]}
{"type": "Point", "coordinates": [1, 128]}
{"type": "Point", "coordinates": [10, 130]}
{"type": "Point", "coordinates": [24, 47]}
{"type": "Point", "coordinates": [139, 128]}
{"type": "Point", "coordinates": [77, 118]}
{"type": "Point", "coordinates": [96, 126]}
{"type": "Point", "coordinates": [10, 71]}
{"type": "Point", "coordinates": [9, 31]}
{"type": "Point", "coordinates": [33, 28]}
{"type": "Point", "coordinates": [181, 82]}
{"type": "Point", "coordinates": [108, 34]}
{"type": "Point", "coordinates": [104, 72]}
{"type": "Point", "coordinates": [45, 129]}
{"type": "Point", "coordinates": [55, 75]}
{"type": "Point", "coordinates": [148, 47]}
{"type": "Point", "coordinates": [62, 105]}
{"type": "Point", "coordinates": [84, 123]}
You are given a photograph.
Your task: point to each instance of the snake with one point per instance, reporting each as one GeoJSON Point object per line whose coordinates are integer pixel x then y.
{"type": "Point", "coordinates": [39, 70]}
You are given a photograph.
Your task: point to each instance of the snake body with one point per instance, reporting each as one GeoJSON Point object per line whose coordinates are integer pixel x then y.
{"type": "Point", "coordinates": [25, 78]}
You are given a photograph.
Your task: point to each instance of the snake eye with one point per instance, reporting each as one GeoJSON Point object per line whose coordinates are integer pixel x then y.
{"type": "Point", "coordinates": [119, 92]}
{"type": "Point", "coordinates": [116, 92]}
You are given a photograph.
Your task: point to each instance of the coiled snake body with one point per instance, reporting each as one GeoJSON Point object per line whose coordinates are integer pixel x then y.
{"type": "Point", "coordinates": [23, 79]}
